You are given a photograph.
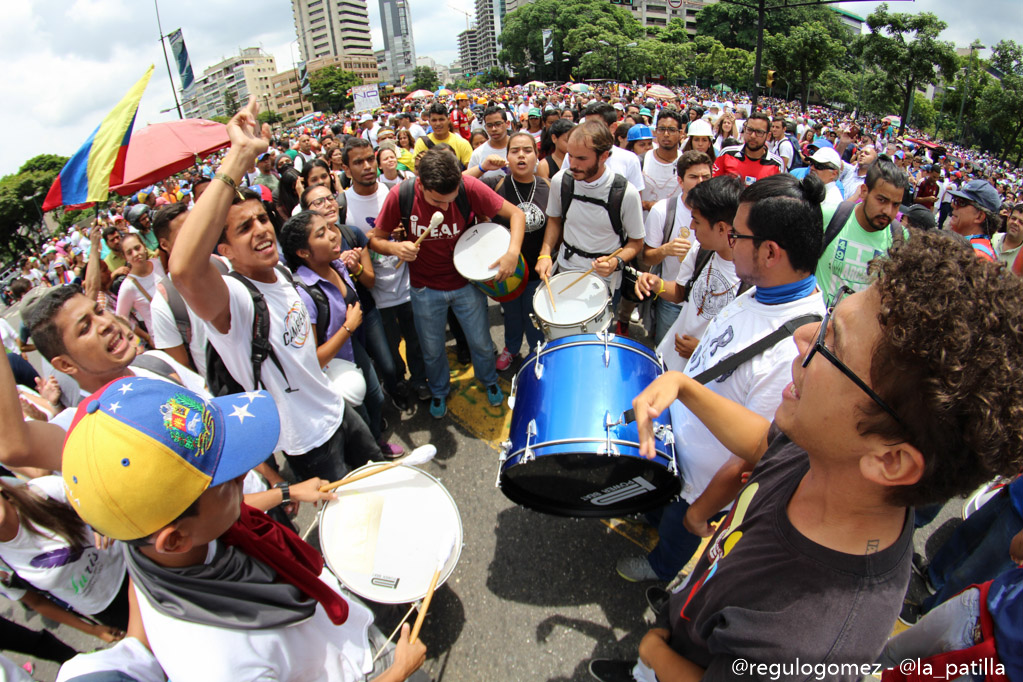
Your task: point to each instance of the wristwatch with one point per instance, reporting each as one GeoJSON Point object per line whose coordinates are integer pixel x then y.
{"type": "Point", "coordinates": [285, 489]}
{"type": "Point", "coordinates": [621, 263]}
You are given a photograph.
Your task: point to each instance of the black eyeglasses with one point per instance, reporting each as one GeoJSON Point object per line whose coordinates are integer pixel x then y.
{"type": "Point", "coordinates": [754, 131]}
{"type": "Point", "coordinates": [734, 236]}
{"type": "Point", "coordinates": [959, 202]}
{"type": "Point", "coordinates": [819, 347]}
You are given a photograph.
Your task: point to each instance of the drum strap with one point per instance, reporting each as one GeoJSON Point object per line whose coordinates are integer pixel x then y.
{"type": "Point", "coordinates": [730, 363]}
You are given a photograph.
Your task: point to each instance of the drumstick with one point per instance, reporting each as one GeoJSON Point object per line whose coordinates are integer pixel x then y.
{"type": "Point", "coordinates": [435, 221]}
{"type": "Point", "coordinates": [442, 558]}
{"type": "Point", "coordinates": [583, 276]}
{"type": "Point", "coordinates": [383, 647]}
{"type": "Point", "coordinates": [421, 455]}
{"type": "Point", "coordinates": [547, 283]}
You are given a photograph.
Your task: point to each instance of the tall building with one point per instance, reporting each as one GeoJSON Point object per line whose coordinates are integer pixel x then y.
{"type": "Point", "coordinates": [489, 23]}
{"type": "Point", "coordinates": [285, 89]}
{"type": "Point", "coordinates": [250, 73]}
{"type": "Point", "coordinates": [331, 28]}
{"type": "Point", "coordinates": [399, 48]}
{"type": "Point", "coordinates": [468, 52]}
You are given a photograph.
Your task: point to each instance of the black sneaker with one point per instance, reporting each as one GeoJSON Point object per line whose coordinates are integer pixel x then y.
{"type": "Point", "coordinates": [910, 614]}
{"type": "Point", "coordinates": [657, 598]}
{"type": "Point", "coordinates": [920, 570]}
{"type": "Point", "coordinates": [609, 670]}
{"type": "Point", "coordinates": [423, 393]}
{"type": "Point", "coordinates": [400, 398]}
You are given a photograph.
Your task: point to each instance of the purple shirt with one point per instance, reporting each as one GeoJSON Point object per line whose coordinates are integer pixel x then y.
{"type": "Point", "coordinates": [338, 307]}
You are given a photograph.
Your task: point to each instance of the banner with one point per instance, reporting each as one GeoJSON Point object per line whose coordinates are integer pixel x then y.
{"type": "Point", "coordinates": [367, 97]}
{"type": "Point", "coordinates": [177, 43]}
{"type": "Point", "coordinates": [303, 79]}
{"type": "Point", "coordinates": [548, 46]}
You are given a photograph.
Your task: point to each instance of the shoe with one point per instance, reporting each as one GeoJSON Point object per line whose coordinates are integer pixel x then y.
{"type": "Point", "coordinates": [911, 613]}
{"type": "Point", "coordinates": [657, 597]}
{"type": "Point", "coordinates": [423, 393]}
{"type": "Point", "coordinates": [438, 408]}
{"type": "Point", "coordinates": [504, 360]}
{"type": "Point", "coordinates": [608, 670]}
{"type": "Point", "coordinates": [920, 569]}
{"type": "Point", "coordinates": [391, 451]}
{"type": "Point", "coordinates": [383, 424]}
{"type": "Point", "coordinates": [634, 316]}
{"type": "Point", "coordinates": [463, 356]}
{"type": "Point", "coordinates": [635, 569]}
{"type": "Point", "coordinates": [622, 329]}
{"type": "Point", "coordinates": [400, 398]}
{"type": "Point", "coordinates": [495, 396]}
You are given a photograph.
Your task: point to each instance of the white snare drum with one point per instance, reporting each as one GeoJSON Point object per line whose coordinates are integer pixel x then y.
{"type": "Point", "coordinates": [585, 308]}
{"type": "Point", "coordinates": [381, 536]}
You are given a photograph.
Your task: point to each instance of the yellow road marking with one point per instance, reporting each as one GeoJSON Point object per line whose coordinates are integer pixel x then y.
{"type": "Point", "coordinates": [468, 405]}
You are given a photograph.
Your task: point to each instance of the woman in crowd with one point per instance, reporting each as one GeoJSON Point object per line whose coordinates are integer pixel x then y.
{"type": "Point", "coordinates": [404, 151]}
{"type": "Point", "coordinates": [477, 138]}
{"type": "Point", "coordinates": [724, 128]}
{"type": "Point", "coordinates": [336, 169]}
{"type": "Point", "coordinates": [554, 145]}
{"type": "Point", "coordinates": [387, 162]}
{"type": "Point", "coordinates": [139, 286]}
{"type": "Point", "coordinates": [288, 191]}
{"type": "Point", "coordinates": [700, 138]}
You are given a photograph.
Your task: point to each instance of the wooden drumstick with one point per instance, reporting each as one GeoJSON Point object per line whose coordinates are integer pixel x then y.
{"type": "Point", "coordinates": [583, 276]}
{"type": "Point", "coordinates": [442, 558]}
{"type": "Point", "coordinates": [547, 283]}
{"type": "Point", "coordinates": [435, 221]}
{"type": "Point", "coordinates": [421, 455]}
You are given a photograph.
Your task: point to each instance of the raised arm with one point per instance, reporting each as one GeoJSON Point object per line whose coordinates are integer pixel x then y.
{"type": "Point", "coordinates": [551, 239]}
{"type": "Point", "coordinates": [25, 444]}
{"type": "Point", "coordinates": [200, 283]}
{"type": "Point", "coordinates": [93, 276]}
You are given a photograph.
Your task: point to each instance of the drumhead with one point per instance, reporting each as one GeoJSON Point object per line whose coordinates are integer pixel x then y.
{"type": "Point", "coordinates": [478, 247]}
{"type": "Point", "coordinates": [582, 302]}
{"type": "Point", "coordinates": [382, 535]}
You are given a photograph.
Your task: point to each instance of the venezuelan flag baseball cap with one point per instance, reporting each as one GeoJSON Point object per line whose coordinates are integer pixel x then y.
{"type": "Point", "coordinates": [140, 451]}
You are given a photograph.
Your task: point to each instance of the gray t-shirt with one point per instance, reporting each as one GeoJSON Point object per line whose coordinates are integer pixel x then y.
{"type": "Point", "coordinates": [765, 593]}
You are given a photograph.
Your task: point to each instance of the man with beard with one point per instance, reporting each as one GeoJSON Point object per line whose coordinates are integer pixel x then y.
{"type": "Point", "coordinates": [865, 233]}
{"type": "Point", "coordinates": [750, 161]}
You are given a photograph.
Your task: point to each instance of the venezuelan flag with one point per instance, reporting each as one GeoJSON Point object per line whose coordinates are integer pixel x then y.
{"type": "Point", "coordinates": [99, 163]}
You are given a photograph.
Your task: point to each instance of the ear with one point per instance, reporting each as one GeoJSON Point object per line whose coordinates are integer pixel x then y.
{"type": "Point", "coordinates": [63, 363]}
{"type": "Point", "coordinates": [303, 254]}
{"type": "Point", "coordinates": [863, 192]}
{"type": "Point", "coordinates": [172, 540]}
{"type": "Point", "coordinates": [224, 249]}
{"type": "Point", "coordinates": [893, 465]}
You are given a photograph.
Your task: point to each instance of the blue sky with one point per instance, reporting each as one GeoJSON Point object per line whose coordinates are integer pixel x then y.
{"type": "Point", "coordinates": [67, 62]}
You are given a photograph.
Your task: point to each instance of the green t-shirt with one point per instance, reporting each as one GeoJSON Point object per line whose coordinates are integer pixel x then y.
{"type": "Point", "coordinates": [845, 259]}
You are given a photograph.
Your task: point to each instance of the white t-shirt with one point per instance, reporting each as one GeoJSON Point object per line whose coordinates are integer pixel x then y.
{"type": "Point", "coordinates": [783, 148]}
{"type": "Point", "coordinates": [716, 287]}
{"type": "Point", "coordinates": [129, 656]}
{"type": "Point", "coordinates": [12, 672]}
{"type": "Point", "coordinates": [166, 334]}
{"type": "Point", "coordinates": [9, 337]}
{"type": "Point", "coordinates": [417, 131]}
{"type": "Point", "coordinates": [756, 384]}
{"type": "Point", "coordinates": [480, 154]}
{"type": "Point", "coordinates": [624, 163]}
{"type": "Point", "coordinates": [88, 582]}
{"type": "Point", "coordinates": [311, 411]}
{"type": "Point", "coordinates": [589, 227]}
{"type": "Point", "coordinates": [312, 650]}
{"type": "Point", "coordinates": [391, 285]}
{"type": "Point", "coordinates": [130, 297]}
{"type": "Point", "coordinates": [660, 179]}
{"type": "Point", "coordinates": [655, 233]}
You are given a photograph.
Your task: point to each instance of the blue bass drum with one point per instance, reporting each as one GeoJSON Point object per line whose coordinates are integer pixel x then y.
{"type": "Point", "coordinates": [572, 450]}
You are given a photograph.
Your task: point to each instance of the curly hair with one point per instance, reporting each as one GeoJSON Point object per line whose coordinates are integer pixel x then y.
{"type": "Point", "coordinates": [950, 363]}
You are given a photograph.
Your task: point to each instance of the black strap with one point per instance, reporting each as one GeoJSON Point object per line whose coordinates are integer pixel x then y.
{"type": "Point", "coordinates": [322, 308]}
{"type": "Point", "coordinates": [153, 364]}
{"type": "Point", "coordinates": [178, 308]}
{"type": "Point", "coordinates": [261, 348]}
{"type": "Point", "coordinates": [407, 196]}
{"type": "Point", "coordinates": [342, 208]}
{"type": "Point", "coordinates": [756, 348]}
{"type": "Point", "coordinates": [703, 257]}
{"type": "Point", "coordinates": [613, 205]}
{"type": "Point", "coordinates": [841, 217]}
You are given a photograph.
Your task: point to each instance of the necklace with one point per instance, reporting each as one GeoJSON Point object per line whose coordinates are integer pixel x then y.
{"type": "Point", "coordinates": [534, 216]}
{"type": "Point", "coordinates": [707, 291]}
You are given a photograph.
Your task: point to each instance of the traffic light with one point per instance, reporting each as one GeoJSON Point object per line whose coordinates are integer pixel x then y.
{"type": "Point", "coordinates": [770, 78]}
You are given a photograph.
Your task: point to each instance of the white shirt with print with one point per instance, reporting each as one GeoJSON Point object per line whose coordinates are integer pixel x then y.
{"type": "Point", "coordinates": [391, 286]}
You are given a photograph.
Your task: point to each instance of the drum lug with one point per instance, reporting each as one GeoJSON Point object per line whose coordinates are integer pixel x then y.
{"type": "Point", "coordinates": [527, 455]}
{"type": "Point", "coordinates": [537, 365]}
{"type": "Point", "coordinates": [536, 324]}
{"type": "Point", "coordinates": [609, 448]}
{"type": "Point", "coordinates": [506, 447]}
{"type": "Point", "coordinates": [607, 352]}
{"type": "Point", "coordinates": [514, 385]}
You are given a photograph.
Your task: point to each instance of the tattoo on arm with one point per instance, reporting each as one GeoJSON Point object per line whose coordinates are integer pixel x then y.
{"type": "Point", "coordinates": [872, 546]}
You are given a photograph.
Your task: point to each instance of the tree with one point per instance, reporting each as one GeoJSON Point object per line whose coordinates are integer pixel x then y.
{"type": "Point", "coordinates": [21, 199]}
{"type": "Point", "coordinates": [230, 103]}
{"type": "Point", "coordinates": [1001, 103]}
{"type": "Point", "coordinates": [804, 54]}
{"type": "Point", "coordinates": [425, 78]}
{"type": "Point", "coordinates": [330, 88]}
{"type": "Point", "coordinates": [494, 76]}
{"type": "Point", "coordinates": [838, 86]}
{"type": "Point", "coordinates": [271, 117]}
{"type": "Point", "coordinates": [735, 25]}
{"type": "Point", "coordinates": [907, 53]}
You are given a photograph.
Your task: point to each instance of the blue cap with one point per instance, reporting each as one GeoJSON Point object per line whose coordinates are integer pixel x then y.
{"type": "Point", "coordinates": [640, 131]}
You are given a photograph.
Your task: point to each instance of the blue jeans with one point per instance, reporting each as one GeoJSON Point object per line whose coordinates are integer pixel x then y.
{"type": "Point", "coordinates": [373, 403]}
{"type": "Point", "coordinates": [399, 323]}
{"type": "Point", "coordinates": [977, 551]}
{"type": "Point", "coordinates": [665, 313]}
{"type": "Point", "coordinates": [675, 545]}
{"type": "Point", "coordinates": [375, 343]}
{"type": "Point", "coordinates": [470, 307]}
{"type": "Point", "coordinates": [517, 322]}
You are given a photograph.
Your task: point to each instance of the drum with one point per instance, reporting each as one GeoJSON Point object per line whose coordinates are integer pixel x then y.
{"type": "Point", "coordinates": [382, 535]}
{"type": "Point", "coordinates": [476, 249]}
{"type": "Point", "coordinates": [584, 308]}
{"type": "Point", "coordinates": [572, 450]}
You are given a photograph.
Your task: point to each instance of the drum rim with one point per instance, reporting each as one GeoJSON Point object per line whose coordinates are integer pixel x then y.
{"type": "Point", "coordinates": [479, 227]}
{"type": "Point", "coordinates": [456, 552]}
{"type": "Point", "coordinates": [592, 339]}
{"type": "Point", "coordinates": [602, 310]}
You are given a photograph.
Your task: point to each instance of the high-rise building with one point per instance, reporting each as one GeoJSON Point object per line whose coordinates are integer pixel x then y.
{"type": "Point", "coordinates": [235, 78]}
{"type": "Point", "coordinates": [332, 28]}
{"type": "Point", "coordinates": [400, 49]}
{"type": "Point", "coordinates": [468, 52]}
{"type": "Point", "coordinates": [489, 23]}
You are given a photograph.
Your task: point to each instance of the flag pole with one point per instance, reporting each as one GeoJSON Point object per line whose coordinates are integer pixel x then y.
{"type": "Point", "coordinates": [166, 60]}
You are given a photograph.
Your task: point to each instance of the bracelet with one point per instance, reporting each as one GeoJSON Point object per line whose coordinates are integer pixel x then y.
{"type": "Point", "coordinates": [359, 271]}
{"type": "Point", "coordinates": [285, 489]}
{"type": "Point", "coordinates": [481, 168]}
{"type": "Point", "coordinates": [661, 291]}
{"type": "Point", "coordinates": [227, 180]}
{"type": "Point", "coordinates": [345, 327]}
{"type": "Point", "coordinates": [544, 255]}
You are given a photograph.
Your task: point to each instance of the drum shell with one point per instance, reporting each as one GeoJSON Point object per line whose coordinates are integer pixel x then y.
{"type": "Point", "coordinates": [556, 325]}
{"type": "Point", "coordinates": [569, 404]}
{"type": "Point", "coordinates": [478, 247]}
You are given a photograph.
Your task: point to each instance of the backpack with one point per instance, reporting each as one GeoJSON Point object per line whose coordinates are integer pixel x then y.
{"type": "Point", "coordinates": [841, 217]}
{"type": "Point", "coordinates": [342, 208]}
{"type": "Point", "coordinates": [407, 196]}
{"type": "Point", "coordinates": [218, 377]}
{"type": "Point", "coordinates": [703, 257]}
{"type": "Point", "coordinates": [613, 206]}
{"type": "Point", "coordinates": [179, 309]}
{"type": "Point", "coordinates": [797, 158]}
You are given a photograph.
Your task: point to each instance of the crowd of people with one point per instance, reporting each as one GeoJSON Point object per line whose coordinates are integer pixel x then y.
{"type": "Point", "coordinates": [286, 294]}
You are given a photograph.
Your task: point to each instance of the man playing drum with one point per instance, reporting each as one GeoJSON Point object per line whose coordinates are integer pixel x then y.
{"type": "Point", "coordinates": [436, 285]}
{"type": "Point", "coordinates": [588, 234]}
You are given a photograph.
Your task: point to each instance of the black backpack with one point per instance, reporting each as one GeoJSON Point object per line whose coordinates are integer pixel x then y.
{"type": "Point", "coordinates": [179, 309]}
{"type": "Point", "coordinates": [613, 206]}
{"type": "Point", "coordinates": [407, 196]}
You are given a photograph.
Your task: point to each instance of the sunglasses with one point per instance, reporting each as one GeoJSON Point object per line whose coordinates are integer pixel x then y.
{"type": "Point", "coordinates": [959, 202]}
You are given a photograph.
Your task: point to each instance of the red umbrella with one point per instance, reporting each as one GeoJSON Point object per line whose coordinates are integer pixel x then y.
{"type": "Point", "coordinates": [163, 149]}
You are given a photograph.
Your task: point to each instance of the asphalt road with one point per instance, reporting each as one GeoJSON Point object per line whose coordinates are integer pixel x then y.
{"type": "Point", "coordinates": [533, 596]}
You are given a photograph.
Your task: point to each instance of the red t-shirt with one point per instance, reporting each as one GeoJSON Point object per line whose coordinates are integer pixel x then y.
{"type": "Point", "coordinates": [460, 123]}
{"type": "Point", "coordinates": [435, 265]}
{"type": "Point", "coordinates": [733, 161]}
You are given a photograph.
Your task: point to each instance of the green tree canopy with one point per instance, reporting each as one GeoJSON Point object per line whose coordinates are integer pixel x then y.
{"type": "Point", "coordinates": [736, 25]}
{"type": "Point", "coordinates": [804, 54]}
{"type": "Point", "coordinates": [1000, 103]}
{"type": "Point", "coordinates": [330, 88]}
{"type": "Point", "coordinates": [21, 200]}
{"type": "Point", "coordinates": [906, 52]}
{"type": "Point", "coordinates": [425, 78]}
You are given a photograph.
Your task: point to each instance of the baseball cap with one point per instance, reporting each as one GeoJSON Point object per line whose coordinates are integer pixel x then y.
{"type": "Point", "coordinates": [919, 216]}
{"type": "Point", "coordinates": [827, 156]}
{"type": "Point", "coordinates": [140, 451]}
{"type": "Point", "coordinates": [640, 131]}
{"type": "Point", "coordinates": [981, 193]}
{"type": "Point", "coordinates": [533, 113]}
{"type": "Point", "coordinates": [365, 118]}
{"type": "Point", "coordinates": [700, 128]}
{"type": "Point", "coordinates": [645, 112]}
